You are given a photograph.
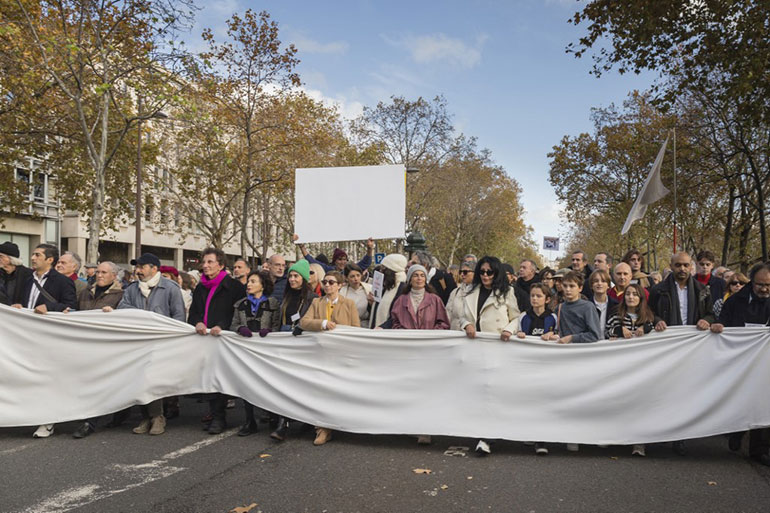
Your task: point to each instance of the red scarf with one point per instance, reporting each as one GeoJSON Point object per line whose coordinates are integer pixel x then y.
{"type": "Point", "coordinates": [703, 278]}
{"type": "Point", "coordinates": [211, 284]}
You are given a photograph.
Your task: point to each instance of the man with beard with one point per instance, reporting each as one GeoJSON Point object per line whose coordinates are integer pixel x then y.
{"type": "Point", "coordinates": [750, 306]}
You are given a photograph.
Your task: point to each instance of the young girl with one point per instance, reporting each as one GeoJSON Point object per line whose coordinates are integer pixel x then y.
{"type": "Point", "coordinates": [633, 318]}
{"type": "Point", "coordinates": [537, 321]}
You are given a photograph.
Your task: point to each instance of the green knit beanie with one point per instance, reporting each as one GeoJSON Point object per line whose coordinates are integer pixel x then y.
{"type": "Point", "coordinates": [301, 267]}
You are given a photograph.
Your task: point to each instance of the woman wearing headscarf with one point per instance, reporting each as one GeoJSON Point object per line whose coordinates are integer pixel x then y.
{"type": "Point", "coordinates": [394, 269]}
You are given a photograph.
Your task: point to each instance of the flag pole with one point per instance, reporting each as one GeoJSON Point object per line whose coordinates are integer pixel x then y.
{"type": "Point", "coordinates": [675, 198]}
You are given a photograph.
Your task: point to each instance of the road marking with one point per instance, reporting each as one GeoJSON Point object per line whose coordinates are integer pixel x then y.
{"type": "Point", "coordinates": [198, 445]}
{"type": "Point", "coordinates": [131, 475]}
{"type": "Point", "coordinates": [15, 449]}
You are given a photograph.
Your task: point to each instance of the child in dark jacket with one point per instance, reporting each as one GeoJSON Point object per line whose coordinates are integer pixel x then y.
{"type": "Point", "coordinates": [538, 319]}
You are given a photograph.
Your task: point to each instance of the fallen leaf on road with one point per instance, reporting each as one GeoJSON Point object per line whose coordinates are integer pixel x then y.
{"type": "Point", "coordinates": [470, 477]}
{"type": "Point", "coordinates": [244, 509]}
{"type": "Point", "coordinates": [264, 455]}
{"type": "Point", "coordinates": [422, 471]}
{"type": "Point", "coordinates": [444, 487]}
{"type": "Point", "coordinates": [712, 483]}
{"type": "Point", "coordinates": [613, 457]}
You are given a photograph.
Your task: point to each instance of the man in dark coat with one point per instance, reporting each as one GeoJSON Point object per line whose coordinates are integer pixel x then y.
{"type": "Point", "coordinates": [212, 308]}
{"type": "Point", "coordinates": [47, 290]}
{"type": "Point", "coordinates": [751, 306]}
{"type": "Point", "coordinates": [680, 300]}
{"type": "Point", "coordinates": [705, 265]}
{"type": "Point", "coordinates": [13, 273]}
{"type": "Point", "coordinates": [580, 264]}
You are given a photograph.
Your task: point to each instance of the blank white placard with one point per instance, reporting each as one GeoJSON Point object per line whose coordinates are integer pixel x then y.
{"type": "Point", "coordinates": [350, 203]}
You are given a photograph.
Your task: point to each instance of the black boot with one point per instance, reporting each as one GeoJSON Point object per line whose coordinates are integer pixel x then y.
{"type": "Point", "coordinates": [282, 430]}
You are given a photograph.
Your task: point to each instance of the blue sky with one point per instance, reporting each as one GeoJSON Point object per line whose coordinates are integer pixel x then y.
{"type": "Point", "coordinates": [500, 64]}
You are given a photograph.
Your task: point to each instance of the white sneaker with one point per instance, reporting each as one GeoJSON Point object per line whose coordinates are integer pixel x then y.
{"type": "Point", "coordinates": [638, 450]}
{"type": "Point", "coordinates": [573, 447]}
{"type": "Point", "coordinates": [483, 448]}
{"type": "Point", "coordinates": [541, 449]}
{"type": "Point", "coordinates": [43, 431]}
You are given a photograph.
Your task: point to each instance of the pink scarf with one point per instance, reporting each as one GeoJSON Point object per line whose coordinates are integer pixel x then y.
{"type": "Point", "coordinates": [211, 284]}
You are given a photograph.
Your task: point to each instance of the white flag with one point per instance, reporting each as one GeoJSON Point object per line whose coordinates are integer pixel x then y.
{"type": "Point", "coordinates": [652, 191]}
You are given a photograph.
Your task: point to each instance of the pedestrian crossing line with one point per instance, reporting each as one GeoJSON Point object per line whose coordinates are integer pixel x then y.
{"type": "Point", "coordinates": [120, 478]}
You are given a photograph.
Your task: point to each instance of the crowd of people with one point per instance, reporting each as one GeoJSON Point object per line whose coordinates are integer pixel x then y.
{"type": "Point", "coordinates": [581, 303]}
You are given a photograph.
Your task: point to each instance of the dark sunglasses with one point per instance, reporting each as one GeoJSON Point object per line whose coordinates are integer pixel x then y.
{"type": "Point", "coordinates": [487, 272]}
{"type": "Point", "coordinates": [465, 271]}
{"type": "Point", "coordinates": [328, 282]}
{"type": "Point", "coordinates": [735, 283]}
{"type": "Point", "coordinates": [312, 272]}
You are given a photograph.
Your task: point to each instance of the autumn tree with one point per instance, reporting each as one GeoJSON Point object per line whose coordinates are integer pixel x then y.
{"type": "Point", "coordinates": [90, 60]}
{"type": "Point", "coordinates": [244, 77]}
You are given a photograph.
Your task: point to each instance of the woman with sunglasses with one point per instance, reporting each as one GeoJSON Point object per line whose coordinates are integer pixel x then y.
{"type": "Point", "coordinates": [736, 283]}
{"type": "Point", "coordinates": [325, 314]}
{"type": "Point", "coordinates": [454, 306]}
{"type": "Point", "coordinates": [490, 307]}
{"type": "Point", "coordinates": [317, 274]}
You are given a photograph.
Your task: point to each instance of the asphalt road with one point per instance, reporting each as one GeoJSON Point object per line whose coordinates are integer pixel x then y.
{"type": "Point", "coordinates": [186, 471]}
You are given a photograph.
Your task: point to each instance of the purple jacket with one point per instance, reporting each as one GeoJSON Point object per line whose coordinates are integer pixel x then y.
{"type": "Point", "coordinates": [431, 314]}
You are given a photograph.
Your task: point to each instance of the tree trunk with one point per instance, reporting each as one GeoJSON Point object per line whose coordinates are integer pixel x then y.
{"type": "Point", "coordinates": [728, 226]}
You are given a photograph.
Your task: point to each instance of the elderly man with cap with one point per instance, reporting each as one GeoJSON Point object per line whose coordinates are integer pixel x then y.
{"type": "Point", "coordinates": [154, 293]}
{"type": "Point", "coordinates": [90, 273]}
{"type": "Point", "coordinates": [13, 274]}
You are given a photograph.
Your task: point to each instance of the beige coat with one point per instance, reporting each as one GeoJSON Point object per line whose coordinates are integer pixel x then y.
{"type": "Point", "coordinates": [456, 305]}
{"type": "Point", "coordinates": [496, 316]}
{"type": "Point", "coordinates": [345, 313]}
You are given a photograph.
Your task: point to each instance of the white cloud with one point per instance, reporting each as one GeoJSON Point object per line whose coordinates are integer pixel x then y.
{"type": "Point", "coordinates": [306, 45]}
{"type": "Point", "coordinates": [442, 48]}
{"type": "Point", "coordinates": [348, 109]}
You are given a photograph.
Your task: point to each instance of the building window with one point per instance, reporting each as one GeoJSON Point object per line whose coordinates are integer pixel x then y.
{"type": "Point", "coordinates": [22, 175]}
{"type": "Point", "coordinates": [38, 187]}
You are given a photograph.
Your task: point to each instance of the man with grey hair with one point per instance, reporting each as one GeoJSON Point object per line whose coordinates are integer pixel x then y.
{"type": "Point", "coordinates": [527, 273]}
{"type": "Point", "coordinates": [440, 280]}
{"type": "Point", "coordinates": [276, 266]}
{"type": "Point", "coordinates": [105, 294]}
{"type": "Point", "coordinates": [69, 265]}
{"type": "Point", "coordinates": [13, 274]}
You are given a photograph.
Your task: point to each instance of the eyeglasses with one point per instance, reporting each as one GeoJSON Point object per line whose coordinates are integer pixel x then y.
{"type": "Point", "coordinates": [328, 282]}
{"type": "Point", "coordinates": [487, 272]}
{"type": "Point", "coordinates": [735, 283]}
{"type": "Point", "coordinates": [465, 271]}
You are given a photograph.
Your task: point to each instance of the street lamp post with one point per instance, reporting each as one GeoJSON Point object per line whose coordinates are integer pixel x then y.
{"type": "Point", "coordinates": [138, 214]}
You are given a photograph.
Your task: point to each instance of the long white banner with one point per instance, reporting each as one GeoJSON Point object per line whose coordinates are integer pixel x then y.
{"type": "Point", "coordinates": [675, 385]}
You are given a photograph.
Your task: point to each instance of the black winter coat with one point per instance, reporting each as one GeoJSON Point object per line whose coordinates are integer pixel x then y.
{"type": "Point", "coordinates": [15, 283]}
{"type": "Point", "coordinates": [664, 302]}
{"type": "Point", "coordinates": [221, 309]}
{"type": "Point", "coordinates": [744, 307]}
{"type": "Point", "coordinates": [444, 284]}
{"type": "Point", "coordinates": [60, 287]}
